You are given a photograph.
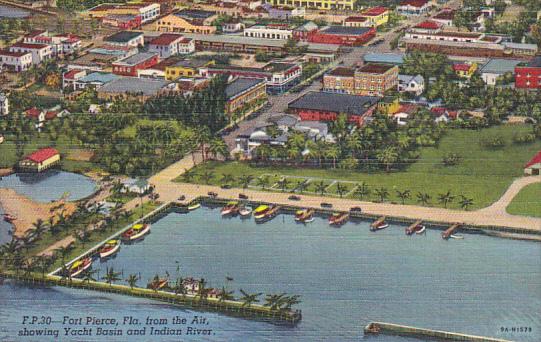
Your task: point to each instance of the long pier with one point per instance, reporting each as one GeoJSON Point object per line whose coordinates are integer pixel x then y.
{"type": "Point", "coordinates": [409, 331]}
{"type": "Point", "coordinates": [449, 231]}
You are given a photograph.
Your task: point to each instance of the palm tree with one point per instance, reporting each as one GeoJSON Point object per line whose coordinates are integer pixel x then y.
{"type": "Point", "coordinates": [263, 182]}
{"type": "Point", "coordinates": [382, 193]}
{"type": "Point", "coordinates": [179, 286]}
{"type": "Point", "coordinates": [64, 251]}
{"type": "Point", "coordinates": [248, 299]}
{"type": "Point", "coordinates": [132, 280]}
{"type": "Point", "coordinates": [245, 180]}
{"type": "Point", "coordinates": [219, 147]}
{"type": "Point", "coordinates": [446, 198]}
{"type": "Point", "coordinates": [225, 295]}
{"type": "Point", "coordinates": [332, 152]}
{"type": "Point", "coordinates": [289, 302]}
{"type": "Point", "coordinates": [283, 183]}
{"type": "Point", "coordinates": [301, 186]}
{"type": "Point", "coordinates": [423, 197]}
{"type": "Point", "coordinates": [227, 178]}
{"type": "Point", "coordinates": [321, 187]}
{"type": "Point", "coordinates": [388, 157]}
{"type": "Point", "coordinates": [341, 189]}
{"type": "Point", "coordinates": [465, 202]}
{"type": "Point", "coordinates": [202, 291]}
{"type": "Point", "coordinates": [207, 176]}
{"type": "Point", "coordinates": [362, 190]}
{"type": "Point", "coordinates": [88, 276]}
{"type": "Point", "coordinates": [272, 301]}
{"type": "Point", "coordinates": [111, 276]}
{"type": "Point", "coordinates": [39, 227]}
{"type": "Point", "coordinates": [403, 195]}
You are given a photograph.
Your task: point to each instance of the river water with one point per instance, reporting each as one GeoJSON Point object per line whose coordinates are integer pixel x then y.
{"type": "Point", "coordinates": [345, 276]}
{"type": "Point", "coordinates": [45, 187]}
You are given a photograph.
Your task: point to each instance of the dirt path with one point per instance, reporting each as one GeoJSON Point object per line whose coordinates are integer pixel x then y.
{"type": "Point", "coordinates": [499, 207]}
{"type": "Point", "coordinates": [49, 251]}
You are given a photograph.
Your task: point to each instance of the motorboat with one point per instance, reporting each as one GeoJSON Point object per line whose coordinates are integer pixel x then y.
{"type": "Point", "coordinates": [458, 237]}
{"type": "Point", "coordinates": [245, 211]}
{"type": "Point", "coordinates": [379, 226]}
{"type": "Point", "coordinates": [158, 284]}
{"type": "Point", "coordinates": [304, 215]}
{"type": "Point", "coordinates": [137, 231]}
{"type": "Point", "coordinates": [422, 230]}
{"type": "Point", "coordinates": [231, 208]}
{"type": "Point", "coordinates": [338, 219]}
{"type": "Point", "coordinates": [415, 229]}
{"type": "Point", "coordinates": [264, 213]}
{"type": "Point", "coordinates": [80, 266]}
{"type": "Point", "coordinates": [110, 248]}
{"type": "Point", "coordinates": [194, 206]}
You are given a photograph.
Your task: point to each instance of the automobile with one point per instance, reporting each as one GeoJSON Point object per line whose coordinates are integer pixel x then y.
{"type": "Point", "coordinates": [243, 196]}
{"type": "Point", "coordinates": [212, 194]}
{"type": "Point", "coordinates": [225, 186]}
{"type": "Point", "coordinates": [355, 210]}
{"type": "Point", "coordinates": [181, 198]}
{"type": "Point", "coordinates": [294, 198]}
{"type": "Point", "coordinates": [326, 205]}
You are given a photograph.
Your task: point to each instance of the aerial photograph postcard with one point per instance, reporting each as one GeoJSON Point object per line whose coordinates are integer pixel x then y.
{"type": "Point", "coordinates": [270, 170]}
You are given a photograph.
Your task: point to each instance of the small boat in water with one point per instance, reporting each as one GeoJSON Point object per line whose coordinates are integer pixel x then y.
{"type": "Point", "coordinates": [458, 237]}
{"type": "Point", "coordinates": [9, 218]}
{"type": "Point", "coordinates": [379, 226]}
{"type": "Point", "coordinates": [418, 228]}
{"type": "Point", "coordinates": [338, 219]}
{"type": "Point", "coordinates": [194, 206]}
{"type": "Point", "coordinates": [231, 208]}
{"type": "Point", "coordinates": [245, 211]}
{"type": "Point", "coordinates": [110, 248]}
{"type": "Point", "coordinates": [265, 212]}
{"type": "Point", "coordinates": [304, 216]}
{"type": "Point", "coordinates": [137, 231]}
{"type": "Point", "coordinates": [80, 266]}
{"type": "Point", "coordinates": [158, 283]}
{"type": "Point", "coordinates": [422, 230]}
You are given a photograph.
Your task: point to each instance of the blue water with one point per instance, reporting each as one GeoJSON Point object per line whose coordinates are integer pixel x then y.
{"type": "Point", "coordinates": [12, 12]}
{"type": "Point", "coordinates": [45, 187]}
{"type": "Point", "coordinates": [346, 277]}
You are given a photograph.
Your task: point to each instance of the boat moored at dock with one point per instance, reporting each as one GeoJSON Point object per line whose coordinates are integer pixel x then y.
{"type": "Point", "coordinates": [416, 227]}
{"type": "Point", "coordinates": [80, 266]}
{"type": "Point", "coordinates": [446, 234]}
{"type": "Point", "coordinates": [194, 206]}
{"type": "Point", "coordinates": [304, 215]}
{"type": "Point", "coordinates": [136, 232]}
{"type": "Point", "coordinates": [245, 212]}
{"type": "Point", "coordinates": [338, 219]}
{"type": "Point", "coordinates": [158, 283]}
{"type": "Point", "coordinates": [110, 248]}
{"type": "Point", "coordinates": [265, 212]}
{"type": "Point", "coordinates": [231, 208]}
{"type": "Point", "coordinates": [379, 224]}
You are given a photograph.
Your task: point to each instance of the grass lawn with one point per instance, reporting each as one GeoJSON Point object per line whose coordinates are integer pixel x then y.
{"type": "Point", "coordinates": [121, 198]}
{"type": "Point", "coordinates": [482, 174]}
{"type": "Point", "coordinates": [527, 202]}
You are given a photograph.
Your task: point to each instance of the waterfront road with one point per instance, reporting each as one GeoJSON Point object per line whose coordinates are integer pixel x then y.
{"type": "Point", "coordinates": [494, 215]}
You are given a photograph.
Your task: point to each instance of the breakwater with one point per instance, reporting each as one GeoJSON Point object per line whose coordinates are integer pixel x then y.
{"type": "Point", "coordinates": [227, 307]}
{"type": "Point", "coordinates": [409, 331]}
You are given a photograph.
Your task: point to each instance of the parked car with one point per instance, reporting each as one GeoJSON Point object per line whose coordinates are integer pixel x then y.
{"type": "Point", "coordinates": [357, 210]}
{"type": "Point", "coordinates": [294, 198]}
{"type": "Point", "coordinates": [181, 198]}
{"type": "Point", "coordinates": [326, 205]}
{"type": "Point", "coordinates": [212, 194]}
{"type": "Point", "coordinates": [226, 186]}
{"type": "Point", "coordinates": [243, 196]}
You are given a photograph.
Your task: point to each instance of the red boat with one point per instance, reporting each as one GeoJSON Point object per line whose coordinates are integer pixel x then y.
{"type": "Point", "coordinates": [338, 219]}
{"type": "Point", "coordinates": [9, 218]}
{"type": "Point", "coordinates": [231, 208]}
{"type": "Point", "coordinates": [415, 229]}
{"type": "Point", "coordinates": [111, 247]}
{"type": "Point", "coordinates": [379, 226]}
{"type": "Point", "coordinates": [136, 231]}
{"type": "Point", "coordinates": [304, 215]}
{"type": "Point", "coordinates": [158, 284]}
{"type": "Point", "coordinates": [80, 266]}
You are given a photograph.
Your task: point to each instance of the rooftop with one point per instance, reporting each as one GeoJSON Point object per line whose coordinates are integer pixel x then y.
{"type": "Point", "coordinates": [500, 66]}
{"type": "Point", "coordinates": [137, 58]}
{"type": "Point", "coordinates": [376, 68]}
{"type": "Point", "coordinates": [195, 14]}
{"type": "Point", "coordinates": [428, 25]}
{"type": "Point", "coordinates": [29, 46]}
{"type": "Point", "coordinates": [356, 19]}
{"type": "Point", "coordinates": [414, 3]}
{"type": "Point", "coordinates": [134, 85]}
{"type": "Point", "coordinates": [240, 85]}
{"type": "Point", "coordinates": [375, 11]}
{"type": "Point", "coordinates": [42, 155]}
{"type": "Point", "coordinates": [342, 71]}
{"type": "Point", "coordinates": [345, 30]}
{"type": "Point", "coordinates": [390, 58]}
{"type": "Point", "coordinates": [166, 39]}
{"type": "Point", "coordinates": [13, 54]}
{"type": "Point", "coordinates": [332, 102]}
{"type": "Point", "coordinates": [445, 15]}
{"type": "Point", "coordinates": [191, 63]}
{"type": "Point", "coordinates": [535, 63]}
{"type": "Point", "coordinates": [123, 36]}
{"type": "Point", "coordinates": [101, 77]}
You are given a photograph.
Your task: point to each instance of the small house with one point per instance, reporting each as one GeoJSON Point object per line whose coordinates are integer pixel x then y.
{"type": "Point", "coordinates": [136, 186]}
{"type": "Point", "coordinates": [40, 160]}
{"type": "Point", "coordinates": [533, 167]}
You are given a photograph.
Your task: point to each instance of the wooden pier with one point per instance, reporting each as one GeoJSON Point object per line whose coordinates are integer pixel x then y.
{"type": "Point", "coordinates": [424, 334]}
{"type": "Point", "coordinates": [413, 227]}
{"type": "Point", "coordinates": [450, 231]}
{"type": "Point", "coordinates": [378, 222]}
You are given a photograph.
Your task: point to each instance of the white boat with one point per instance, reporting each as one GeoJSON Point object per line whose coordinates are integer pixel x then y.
{"type": "Point", "coordinates": [194, 206]}
{"type": "Point", "coordinates": [458, 237]}
{"type": "Point", "coordinates": [136, 231]}
{"type": "Point", "coordinates": [422, 230]}
{"type": "Point", "coordinates": [244, 212]}
{"type": "Point", "coordinates": [231, 208]}
{"type": "Point", "coordinates": [309, 220]}
{"type": "Point", "coordinates": [111, 247]}
{"type": "Point", "coordinates": [80, 266]}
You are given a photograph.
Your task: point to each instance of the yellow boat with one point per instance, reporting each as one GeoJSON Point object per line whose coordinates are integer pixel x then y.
{"type": "Point", "coordinates": [136, 231]}
{"type": "Point", "coordinates": [260, 211]}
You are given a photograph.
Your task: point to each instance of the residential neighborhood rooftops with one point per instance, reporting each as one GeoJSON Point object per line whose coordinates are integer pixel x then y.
{"type": "Point", "coordinates": [29, 45]}
{"type": "Point", "coordinates": [99, 77]}
{"type": "Point", "coordinates": [375, 11]}
{"type": "Point", "coordinates": [500, 66]}
{"type": "Point", "coordinates": [195, 14]}
{"type": "Point", "coordinates": [123, 36]}
{"type": "Point", "coordinates": [333, 102]}
{"type": "Point", "coordinates": [167, 39]}
{"type": "Point", "coordinates": [345, 30]}
{"type": "Point", "coordinates": [241, 85]}
{"type": "Point", "coordinates": [137, 58]}
{"type": "Point", "coordinates": [375, 68]}
{"type": "Point", "coordinates": [134, 85]}
{"type": "Point", "coordinates": [42, 155]}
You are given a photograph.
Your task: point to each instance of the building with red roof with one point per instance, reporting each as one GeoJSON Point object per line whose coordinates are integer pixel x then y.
{"type": "Point", "coordinates": [528, 75]}
{"type": "Point", "coordinates": [170, 44]}
{"type": "Point", "coordinates": [413, 7]}
{"type": "Point", "coordinates": [357, 21]}
{"type": "Point", "coordinates": [429, 26]}
{"type": "Point", "coordinates": [40, 160]}
{"type": "Point", "coordinates": [40, 52]}
{"type": "Point", "coordinates": [15, 61]}
{"type": "Point", "coordinates": [376, 16]}
{"type": "Point", "coordinates": [533, 167]}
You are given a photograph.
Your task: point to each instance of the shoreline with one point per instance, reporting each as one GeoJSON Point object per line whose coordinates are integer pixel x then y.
{"type": "Point", "coordinates": [4, 172]}
{"type": "Point", "coordinates": [28, 211]}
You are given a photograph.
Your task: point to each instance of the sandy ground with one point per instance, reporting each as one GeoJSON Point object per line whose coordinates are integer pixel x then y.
{"type": "Point", "coordinates": [5, 171]}
{"type": "Point", "coordinates": [28, 211]}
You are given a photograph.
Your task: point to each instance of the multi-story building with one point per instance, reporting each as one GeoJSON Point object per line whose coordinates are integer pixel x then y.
{"type": "Point", "coordinates": [356, 21]}
{"type": "Point", "coordinates": [186, 68]}
{"type": "Point", "coordinates": [15, 61]}
{"type": "Point", "coordinates": [302, 32]}
{"type": "Point", "coordinates": [270, 31]}
{"type": "Point", "coordinates": [122, 21]}
{"type": "Point", "coordinates": [279, 76]}
{"type": "Point", "coordinates": [342, 35]}
{"type": "Point", "coordinates": [61, 43]}
{"type": "Point", "coordinates": [319, 4]}
{"type": "Point", "coordinates": [242, 92]}
{"type": "Point", "coordinates": [126, 39]}
{"type": "Point", "coordinates": [170, 44]}
{"type": "Point", "coordinates": [40, 52]}
{"type": "Point", "coordinates": [130, 66]}
{"type": "Point", "coordinates": [376, 16]}
{"type": "Point", "coordinates": [190, 21]}
{"type": "Point", "coordinates": [324, 106]}
{"type": "Point", "coordinates": [528, 75]}
{"type": "Point", "coordinates": [146, 11]}
{"type": "Point", "coordinates": [374, 79]}
{"type": "Point", "coordinates": [340, 80]}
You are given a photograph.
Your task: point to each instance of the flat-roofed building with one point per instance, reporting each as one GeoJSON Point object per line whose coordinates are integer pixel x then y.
{"type": "Point", "coordinates": [243, 92]}
{"type": "Point", "coordinates": [342, 35]}
{"type": "Point", "coordinates": [15, 61]}
{"type": "Point", "coordinates": [130, 66]}
{"type": "Point", "coordinates": [145, 11]}
{"type": "Point", "coordinates": [170, 44]}
{"type": "Point", "coordinates": [126, 38]}
{"type": "Point", "coordinates": [271, 31]}
{"type": "Point", "coordinates": [375, 78]}
{"type": "Point", "coordinates": [190, 21]}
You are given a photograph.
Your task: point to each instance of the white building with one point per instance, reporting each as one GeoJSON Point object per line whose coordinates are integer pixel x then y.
{"type": "Point", "coordinates": [411, 84]}
{"type": "Point", "coordinates": [170, 44]}
{"type": "Point", "coordinates": [413, 7]}
{"type": "Point", "coordinates": [280, 32]}
{"type": "Point", "coordinates": [497, 67]}
{"type": "Point", "coordinates": [40, 52]}
{"type": "Point", "coordinates": [4, 104]}
{"type": "Point", "coordinates": [126, 39]}
{"type": "Point", "coordinates": [15, 61]}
